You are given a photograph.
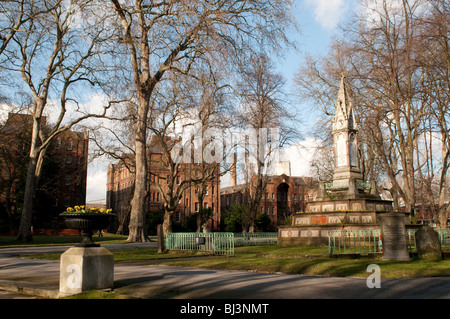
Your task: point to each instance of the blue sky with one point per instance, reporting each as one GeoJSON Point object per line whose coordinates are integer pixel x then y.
{"type": "Point", "coordinates": [318, 21]}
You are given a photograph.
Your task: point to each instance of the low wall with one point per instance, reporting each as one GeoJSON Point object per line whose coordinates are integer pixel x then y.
{"type": "Point", "coordinates": [359, 204]}
{"type": "Point", "coordinates": [314, 235]}
{"type": "Point", "coordinates": [335, 217]}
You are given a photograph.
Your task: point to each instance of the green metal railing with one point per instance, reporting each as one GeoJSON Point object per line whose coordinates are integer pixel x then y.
{"type": "Point", "coordinates": [249, 239]}
{"type": "Point", "coordinates": [370, 241]}
{"type": "Point", "coordinates": [444, 238]}
{"type": "Point", "coordinates": [354, 242]}
{"type": "Point", "coordinates": [411, 237]}
{"type": "Point", "coordinates": [217, 243]}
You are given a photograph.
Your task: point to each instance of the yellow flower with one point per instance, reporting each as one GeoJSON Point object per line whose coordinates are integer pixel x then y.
{"type": "Point", "coordinates": [80, 209]}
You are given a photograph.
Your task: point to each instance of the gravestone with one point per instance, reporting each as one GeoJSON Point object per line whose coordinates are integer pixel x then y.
{"type": "Point", "coordinates": [393, 234]}
{"type": "Point", "coordinates": [85, 268]}
{"type": "Point", "coordinates": [428, 244]}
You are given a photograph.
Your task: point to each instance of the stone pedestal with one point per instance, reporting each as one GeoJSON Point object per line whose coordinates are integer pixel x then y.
{"type": "Point", "coordinates": [86, 268]}
{"type": "Point", "coordinates": [393, 234]}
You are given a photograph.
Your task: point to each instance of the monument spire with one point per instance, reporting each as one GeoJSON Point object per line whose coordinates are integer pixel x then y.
{"type": "Point", "coordinates": [344, 115]}
{"type": "Point", "coordinates": [345, 133]}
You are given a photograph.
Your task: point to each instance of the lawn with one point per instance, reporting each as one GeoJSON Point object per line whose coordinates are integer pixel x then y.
{"type": "Point", "coordinates": [268, 258]}
{"type": "Point", "coordinates": [309, 261]}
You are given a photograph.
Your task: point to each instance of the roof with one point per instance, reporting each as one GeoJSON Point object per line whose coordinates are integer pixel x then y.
{"type": "Point", "coordinates": [298, 180]}
{"type": "Point", "coordinates": [232, 189]}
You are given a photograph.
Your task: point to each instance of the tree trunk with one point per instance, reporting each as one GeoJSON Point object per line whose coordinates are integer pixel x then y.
{"type": "Point", "coordinates": [200, 197]}
{"type": "Point", "coordinates": [443, 216]}
{"type": "Point", "coordinates": [25, 233]}
{"type": "Point", "coordinates": [443, 207]}
{"type": "Point", "coordinates": [137, 215]}
{"type": "Point", "coordinates": [9, 212]}
{"type": "Point", "coordinates": [167, 223]}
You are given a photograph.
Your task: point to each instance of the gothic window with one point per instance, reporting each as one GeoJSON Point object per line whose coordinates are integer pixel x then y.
{"type": "Point", "coordinates": [353, 151]}
{"type": "Point", "coordinates": [350, 120]}
{"type": "Point", "coordinates": [341, 150]}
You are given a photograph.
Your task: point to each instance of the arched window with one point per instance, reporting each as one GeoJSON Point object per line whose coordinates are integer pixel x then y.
{"type": "Point", "coordinates": [353, 151]}
{"type": "Point", "coordinates": [341, 150]}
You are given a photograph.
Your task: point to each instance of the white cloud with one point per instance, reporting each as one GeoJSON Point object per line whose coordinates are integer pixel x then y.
{"type": "Point", "coordinates": [374, 11]}
{"type": "Point", "coordinates": [300, 155]}
{"type": "Point", "coordinates": [96, 182]}
{"type": "Point", "coordinates": [93, 104]}
{"type": "Point", "coordinates": [328, 12]}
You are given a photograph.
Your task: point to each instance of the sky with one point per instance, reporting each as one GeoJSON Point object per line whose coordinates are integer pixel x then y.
{"type": "Point", "coordinates": [318, 21]}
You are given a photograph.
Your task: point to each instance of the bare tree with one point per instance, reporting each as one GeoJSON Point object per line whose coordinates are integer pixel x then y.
{"type": "Point", "coordinates": [383, 58]}
{"type": "Point", "coordinates": [185, 115]}
{"type": "Point", "coordinates": [434, 58]}
{"type": "Point", "coordinates": [16, 13]}
{"type": "Point", "coordinates": [172, 37]}
{"type": "Point", "coordinates": [54, 37]}
{"type": "Point", "coordinates": [262, 108]}
{"type": "Point", "coordinates": [211, 115]}
{"type": "Point", "coordinates": [322, 163]}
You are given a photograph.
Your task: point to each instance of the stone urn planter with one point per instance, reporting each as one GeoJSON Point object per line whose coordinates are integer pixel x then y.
{"type": "Point", "coordinates": [87, 223]}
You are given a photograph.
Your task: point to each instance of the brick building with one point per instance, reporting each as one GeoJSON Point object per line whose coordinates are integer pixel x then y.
{"type": "Point", "coordinates": [63, 175]}
{"type": "Point", "coordinates": [120, 187]}
{"type": "Point", "coordinates": [70, 154]}
{"type": "Point", "coordinates": [284, 195]}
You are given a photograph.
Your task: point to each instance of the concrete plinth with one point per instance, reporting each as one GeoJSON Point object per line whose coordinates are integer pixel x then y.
{"type": "Point", "coordinates": [86, 268]}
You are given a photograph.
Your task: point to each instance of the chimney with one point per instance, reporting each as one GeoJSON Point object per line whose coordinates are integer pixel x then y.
{"type": "Point", "coordinates": [283, 167]}
{"type": "Point", "coordinates": [233, 170]}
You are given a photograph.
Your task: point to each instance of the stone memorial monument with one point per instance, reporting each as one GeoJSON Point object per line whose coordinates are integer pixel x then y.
{"type": "Point", "coordinates": [345, 203]}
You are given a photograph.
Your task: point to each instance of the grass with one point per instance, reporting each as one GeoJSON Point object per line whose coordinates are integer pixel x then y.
{"type": "Point", "coordinates": [97, 294]}
{"type": "Point", "coordinates": [313, 261]}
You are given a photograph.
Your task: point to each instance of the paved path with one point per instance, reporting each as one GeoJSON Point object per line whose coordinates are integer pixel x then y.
{"type": "Point", "coordinates": [138, 280]}
{"type": "Point", "coordinates": [187, 283]}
